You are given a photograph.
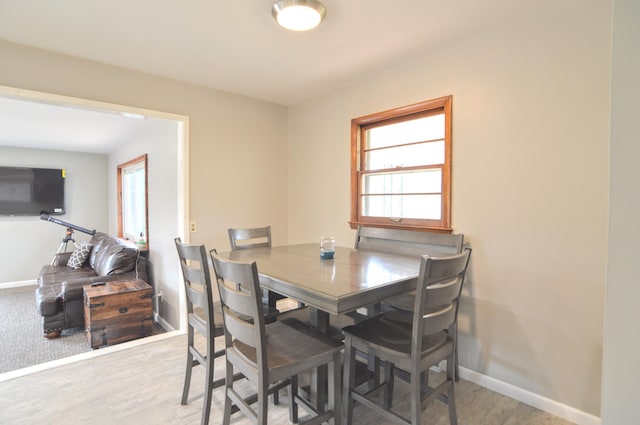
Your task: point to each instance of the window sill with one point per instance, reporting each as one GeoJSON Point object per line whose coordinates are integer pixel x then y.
{"type": "Point", "coordinates": [356, 224]}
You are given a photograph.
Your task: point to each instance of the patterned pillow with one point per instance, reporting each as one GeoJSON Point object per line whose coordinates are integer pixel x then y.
{"type": "Point", "coordinates": [79, 256]}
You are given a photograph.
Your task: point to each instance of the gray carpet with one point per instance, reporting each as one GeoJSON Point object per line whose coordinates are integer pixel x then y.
{"type": "Point", "coordinates": [21, 341]}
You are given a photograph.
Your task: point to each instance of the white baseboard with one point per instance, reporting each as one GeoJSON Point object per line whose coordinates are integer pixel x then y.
{"type": "Point", "coordinates": [545, 404]}
{"type": "Point", "coordinates": [162, 322]}
{"type": "Point", "coordinates": [18, 284]}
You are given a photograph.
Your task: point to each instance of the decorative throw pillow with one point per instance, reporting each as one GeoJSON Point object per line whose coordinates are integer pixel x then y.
{"type": "Point", "coordinates": [79, 255]}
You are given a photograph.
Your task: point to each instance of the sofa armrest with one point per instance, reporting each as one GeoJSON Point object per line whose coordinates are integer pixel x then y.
{"type": "Point", "coordinates": [61, 259]}
{"type": "Point", "coordinates": [48, 300]}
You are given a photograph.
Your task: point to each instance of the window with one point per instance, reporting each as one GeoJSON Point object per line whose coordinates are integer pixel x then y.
{"type": "Point", "coordinates": [401, 167]}
{"type": "Point", "coordinates": [132, 201]}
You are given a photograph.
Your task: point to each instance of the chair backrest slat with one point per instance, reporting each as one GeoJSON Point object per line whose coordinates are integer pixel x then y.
{"type": "Point", "coordinates": [193, 275]}
{"type": "Point", "coordinates": [237, 300]}
{"type": "Point", "coordinates": [408, 242]}
{"type": "Point", "coordinates": [257, 237]}
{"type": "Point", "coordinates": [438, 320]}
{"type": "Point", "coordinates": [443, 293]}
{"type": "Point", "coordinates": [441, 270]}
{"type": "Point", "coordinates": [242, 330]}
{"type": "Point", "coordinates": [197, 297]}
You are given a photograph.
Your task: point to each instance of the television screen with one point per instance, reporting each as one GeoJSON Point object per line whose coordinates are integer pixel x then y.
{"type": "Point", "coordinates": [31, 191]}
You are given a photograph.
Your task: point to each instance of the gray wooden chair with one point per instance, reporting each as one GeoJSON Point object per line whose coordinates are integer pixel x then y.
{"type": "Point", "coordinates": [413, 243]}
{"type": "Point", "coordinates": [269, 355]}
{"type": "Point", "coordinates": [255, 237]}
{"type": "Point", "coordinates": [408, 242]}
{"type": "Point", "coordinates": [203, 316]}
{"type": "Point", "coordinates": [411, 348]}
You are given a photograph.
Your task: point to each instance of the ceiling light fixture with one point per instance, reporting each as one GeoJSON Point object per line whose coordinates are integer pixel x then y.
{"type": "Point", "coordinates": [298, 15]}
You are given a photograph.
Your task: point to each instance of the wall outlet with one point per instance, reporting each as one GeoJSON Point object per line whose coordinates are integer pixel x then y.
{"type": "Point", "coordinates": [192, 227]}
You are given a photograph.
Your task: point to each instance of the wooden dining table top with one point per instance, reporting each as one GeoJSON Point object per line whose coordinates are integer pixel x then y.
{"type": "Point", "coordinates": [354, 278]}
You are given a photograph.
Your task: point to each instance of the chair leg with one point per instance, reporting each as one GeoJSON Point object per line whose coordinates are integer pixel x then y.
{"type": "Point", "coordinates": [388, 387]}
{"type": "Point", "coordinates": [187, 380]}
{"type": "Point", "coordinates": [349, 381]}
{"type": "Point", "coordinates": [209, 384]}
{"type": "Point", "coordinates": [424, 377]}
{"type": "Point", "coordinates": [189, 367]}
{"type": "Point", "coordinates": [455, 355]}
{"type": "Point", "coordinates": [208, 392]}
{"type": "Point", "coordinates": [334, 383]}
{"type": "Point", "coordinates": [228, 386]}
{"type": "Point", "coordinates": [263, 402]}
{"type": "Point", "coordinates": [451, 397]}
{"type": "Point", "coordinates": [416, 397]}
{"type": "Point", "coordinates": [293, 405]}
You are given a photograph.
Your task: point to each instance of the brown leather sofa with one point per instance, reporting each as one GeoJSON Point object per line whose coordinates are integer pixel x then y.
{"type": "Point", "coordinates": [59, 296]}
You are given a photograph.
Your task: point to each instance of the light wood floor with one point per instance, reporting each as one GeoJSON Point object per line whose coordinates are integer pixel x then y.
{"type": "Point", "coordinates": [142, 385]}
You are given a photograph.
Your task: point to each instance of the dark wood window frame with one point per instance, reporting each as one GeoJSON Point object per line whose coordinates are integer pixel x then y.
{"type": "Point", "coordinates": [405, 113]}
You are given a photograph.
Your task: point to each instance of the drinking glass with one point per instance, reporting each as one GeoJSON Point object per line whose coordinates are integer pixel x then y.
{"type": "Point", "coordinates": [327, 247]}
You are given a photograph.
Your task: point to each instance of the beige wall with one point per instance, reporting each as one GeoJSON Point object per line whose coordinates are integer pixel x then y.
{"type": "Point", "coordinates": [161, 142]}
{"type": "Point", "coordinates": [530, 193]}
{"type": "Point", "coordinates": [27, 242]}
{"type": "Point", "coordinates": [621, 377]}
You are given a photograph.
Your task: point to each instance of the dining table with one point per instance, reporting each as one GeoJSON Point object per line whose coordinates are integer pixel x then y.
{"type": "Point", "coordinates": [353, 279]}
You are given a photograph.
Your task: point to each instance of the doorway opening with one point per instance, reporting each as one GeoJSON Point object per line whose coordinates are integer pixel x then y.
{"type": "Point", "coordinates": [166, 276]}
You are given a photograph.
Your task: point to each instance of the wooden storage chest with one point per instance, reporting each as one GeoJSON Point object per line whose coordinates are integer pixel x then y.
{"type": "Point", "coordinates": [117, 311]}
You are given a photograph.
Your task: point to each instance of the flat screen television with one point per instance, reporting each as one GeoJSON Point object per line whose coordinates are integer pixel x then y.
{"type": "Point", "coordinates": [31, 191]}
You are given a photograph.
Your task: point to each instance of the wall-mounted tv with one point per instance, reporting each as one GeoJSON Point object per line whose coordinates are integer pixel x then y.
{"type": "Point", "coordinates": [31, 191]}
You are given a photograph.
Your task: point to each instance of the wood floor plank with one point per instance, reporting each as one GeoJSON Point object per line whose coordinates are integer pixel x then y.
{"type": "Point", "coordinates": [143, 385]}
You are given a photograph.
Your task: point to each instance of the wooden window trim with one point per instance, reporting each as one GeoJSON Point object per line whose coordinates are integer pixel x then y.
{"type": "Point", "coordinates": [140, 159]}
{"type": "Point", "coordinates": [359, 125]}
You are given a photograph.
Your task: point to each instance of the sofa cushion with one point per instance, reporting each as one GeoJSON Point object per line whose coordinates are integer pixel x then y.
{"type": "Point", "coordinates": [79, 255]}
{"type": "Point", "coordinates": [115, 258]}
{"type": "Point", "coordinates": [50, 275]}
{"type": "Point", "coordinates": [98, 242]}
{"type": "Point", "coordinates": [61, 259]}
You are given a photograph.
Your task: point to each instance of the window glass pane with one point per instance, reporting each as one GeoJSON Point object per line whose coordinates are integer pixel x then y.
{"type": "Point", "coordinates": [403, 206]}
{"type": "Point", "coordinates": [133, 202]}
{"type": "Point", "coordinates": [429, 181]}
{"type": "Point", "coordinates": [415, 130]}
{"type": "Point", "coordinates": [406, 156]}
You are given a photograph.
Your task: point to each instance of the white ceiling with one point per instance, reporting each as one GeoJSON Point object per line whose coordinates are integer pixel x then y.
{"type": "Point", "coordinates": [36, 125]}
{"type": "Point", "coordinates": [235, 46]}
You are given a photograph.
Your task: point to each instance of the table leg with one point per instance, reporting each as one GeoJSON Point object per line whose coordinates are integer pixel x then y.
{"type": "Point", "coordinates": [320, 320]}
{"type": "Point", "coordinates": [272, 297]}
